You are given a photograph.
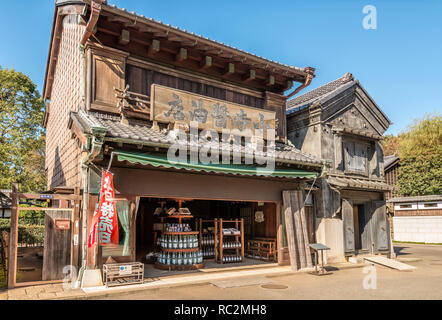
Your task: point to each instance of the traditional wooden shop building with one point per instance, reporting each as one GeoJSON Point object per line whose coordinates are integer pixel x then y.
{"type": "Point", "coordinates": [119, 86]}
{"type": "Point", "coordinates": [340, 122]}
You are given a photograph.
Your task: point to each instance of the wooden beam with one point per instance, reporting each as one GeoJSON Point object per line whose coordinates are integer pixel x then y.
{"type": "Point", "coordinates": [155, 47]}
{"type": "Point", "coordinates": [13, 238]}
{"type": "Point", "coordinates": [182, 55]}
{"type": "Point", "coordinates": [124, 37]}
{"type": "Point", "coordinates": [174, 37]}
{"type": "Point", "coordinates": [271, 80]}
{"type": "Point", "coordinates": [48, 196]}
{"type": "Point", "coordinates": [230, 69]}
{"type": "Point", "coordinates": [206, 62]}
{"type": "Point", "coordinates": [251, 75]}
{"type": "Point", "coordinates": [289, 85]}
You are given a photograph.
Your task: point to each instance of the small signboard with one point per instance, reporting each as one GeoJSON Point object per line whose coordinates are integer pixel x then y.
{"type": "Point", "coordinates": [62, 224]}
{"type": "Point", "coordinates": [125, 270]}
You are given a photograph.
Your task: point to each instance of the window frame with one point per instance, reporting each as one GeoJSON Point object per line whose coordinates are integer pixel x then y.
{"type": "Point", "coordinates": [367, 146]}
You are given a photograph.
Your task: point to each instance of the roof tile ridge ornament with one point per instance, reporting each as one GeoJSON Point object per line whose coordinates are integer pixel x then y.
{"type": "Point", "coordinates": [347, 77]}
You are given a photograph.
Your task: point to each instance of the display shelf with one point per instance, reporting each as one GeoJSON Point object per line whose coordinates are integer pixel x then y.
{"type": "Point", "coordinates": [181, 267]}
{"type": "Point", "coordinates": [239, 238]}
{"type": "Point", "coordinates": [208, 246]}
{"type": "Point", "coordinates": [180, 250]}
{"type": "Point", "coordinates": [184, 233]}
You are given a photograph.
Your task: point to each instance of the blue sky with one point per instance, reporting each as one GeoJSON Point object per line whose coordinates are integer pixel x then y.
{"type": "Point", "coordinates": [399, 63]}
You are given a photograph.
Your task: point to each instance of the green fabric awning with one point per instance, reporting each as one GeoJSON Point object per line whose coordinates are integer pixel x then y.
{"type": "Point", "coordinates": [244, 170]}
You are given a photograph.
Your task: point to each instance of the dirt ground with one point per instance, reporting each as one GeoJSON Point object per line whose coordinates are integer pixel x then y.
{"type": "Point", "coordinates": [425, 282]}
{"type": "Point", "coordinates": [29, 264]}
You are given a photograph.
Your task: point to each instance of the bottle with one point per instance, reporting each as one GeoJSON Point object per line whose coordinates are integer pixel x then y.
{"type": "Point", "coordinates": [184, 258]}
{"type": "Point", "coordinates": [175, 242]}
{"type": "Point", "coordinates": [185, 243]}
{"type": "Point", "coordinates": [174, 258]}
{"type": "Point", "coordinates": [180, 243]}
{"type": "Point", "coordinates": [180, 259]}
{"type": "Point", "coordinates": [168, 259]}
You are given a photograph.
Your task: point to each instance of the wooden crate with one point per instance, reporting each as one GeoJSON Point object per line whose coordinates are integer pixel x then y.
{"type": "Point", "coordinates": [262, 248]}
{"type": "Point", "coordinates": [120, 274]}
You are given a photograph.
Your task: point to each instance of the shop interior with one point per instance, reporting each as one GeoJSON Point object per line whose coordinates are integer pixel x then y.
{"type": "Point", "coordinates": [175, 236]}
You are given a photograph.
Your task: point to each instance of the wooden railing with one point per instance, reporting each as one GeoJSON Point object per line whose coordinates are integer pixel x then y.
{"type": "Point", "coordinates": [131, 104]}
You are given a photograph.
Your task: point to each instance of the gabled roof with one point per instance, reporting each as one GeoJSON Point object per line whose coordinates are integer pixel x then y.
{"type": "Point", "coordinates": [390, 160]}
{"type": "Point", "coordinates": [142, 132]}
{"type": "Point", "coordinates": [320, 92]}
{"type": "Point", "coordinates": [330, 90]}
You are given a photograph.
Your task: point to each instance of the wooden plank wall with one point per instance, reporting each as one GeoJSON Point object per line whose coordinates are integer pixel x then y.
{"type": "Point", "coordinates": [296, 229]}
{"type": "Point", "coordinates": [57, 246]}
{"type": "Point", "coordinates": [140, 81]}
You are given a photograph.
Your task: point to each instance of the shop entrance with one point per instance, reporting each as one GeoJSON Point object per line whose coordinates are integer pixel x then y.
{"type": "Point", "coordinates": [251, 244]}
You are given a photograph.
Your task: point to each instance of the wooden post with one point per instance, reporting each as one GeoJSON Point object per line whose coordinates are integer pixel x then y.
{"type": "Point", "coordinates": [13, 238]}
{"type": "Point", "coordinates": [290, 229]}
{"type": "Point", "coordinates": [75, 231]}
{"type": "Point", "coordinates": [133, 234]}
{"type": "Point", "coordinates": [242, 239]}
{"type": "Point", "coordinates": [279, 233]}
{"type": "Point", "coordinates": [221, 236]}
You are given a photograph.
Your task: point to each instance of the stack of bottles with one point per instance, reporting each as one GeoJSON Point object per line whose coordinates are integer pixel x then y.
{"type": "Point", "coordinates": [231, 245]}
{"type": "Point", "coordinates": [208, 245]}
{"type": "Point", "coordinates": [180, 258]}
{"type": "Point", "coordinates": [178, 242]}
{"type": "Point", "coordinates": [208, 251]}
{"type": "Point", "coordinates": [208, 239]}
{"type": "Point", "coordinates": [232, 258]}
{"type": "Point", "coordinates": [178, 227]}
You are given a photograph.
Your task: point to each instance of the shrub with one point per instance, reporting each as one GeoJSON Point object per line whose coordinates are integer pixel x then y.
{"type": "Point", "coordinates": [27, 234]}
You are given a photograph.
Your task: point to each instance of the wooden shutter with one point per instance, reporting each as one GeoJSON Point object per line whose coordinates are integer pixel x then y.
{"type": "Point", "coordinates": [347, 217]}
{"type": "Point", "coordinates": [360, 156]}
{"type": "Point", "coordinates": [296, 229]}
{"type": "Point", "coordinates": [380, 226]}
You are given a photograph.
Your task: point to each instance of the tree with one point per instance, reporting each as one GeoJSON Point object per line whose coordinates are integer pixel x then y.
{"type": "Point", "coordinates": [391, 145]}
{"type": "Point", "coordinates": [420, 149]}
{"type": "Point", "coordinates": [22, 139]}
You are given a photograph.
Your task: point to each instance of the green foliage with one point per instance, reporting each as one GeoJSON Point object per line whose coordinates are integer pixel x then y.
{"type": "Point", "coordinates": [391, 145]}
{"type": "Point", "coordinates": [420, 149]}
{"type": "Point", "coordinates": [21, 134]}
{"type": "Point", "coordinates": [27, 234]}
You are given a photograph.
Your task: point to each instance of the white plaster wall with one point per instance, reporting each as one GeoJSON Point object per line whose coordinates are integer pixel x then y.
{"type": "Point", "coordinates": [418, 229]}
{"type": "Point", "coordinates": [330, 233]}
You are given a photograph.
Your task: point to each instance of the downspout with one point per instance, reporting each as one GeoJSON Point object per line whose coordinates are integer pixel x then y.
{"type": "Point", "coordinates": [308, 80]}
{"type": "Point", "coordinates": [93, 148]}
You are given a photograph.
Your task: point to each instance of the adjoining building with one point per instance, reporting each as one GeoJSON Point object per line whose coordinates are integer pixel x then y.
{"type": "Point", "coordinates": [391, 170]}
{"type": "Point", "coordinates": [341, 123]}
{"type": "Point", "coordinates": [418, 218]}
{"type": "Point", "coordinates": [5, 203]}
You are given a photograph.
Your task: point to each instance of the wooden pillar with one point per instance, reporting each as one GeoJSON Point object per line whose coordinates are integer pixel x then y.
{"type": "Point", "coordinates": [133, 231]}
{"type": "Point", "coordinates": [279, 233]}
{"type": "Point", "coordinates": [13, 238]}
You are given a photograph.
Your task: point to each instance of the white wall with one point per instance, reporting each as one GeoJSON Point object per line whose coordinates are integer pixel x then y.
{"type": "Point", "coordinates": [330, 232]}
{"type": "Point", "coordinates": [418, 229]}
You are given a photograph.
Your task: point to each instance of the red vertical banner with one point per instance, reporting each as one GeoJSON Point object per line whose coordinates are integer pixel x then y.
{"type": "Point", "coordinates": [105, 219]}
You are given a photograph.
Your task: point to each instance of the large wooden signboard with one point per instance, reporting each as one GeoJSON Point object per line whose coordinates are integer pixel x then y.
{"type": "Point", "coordinates": [176, 106]}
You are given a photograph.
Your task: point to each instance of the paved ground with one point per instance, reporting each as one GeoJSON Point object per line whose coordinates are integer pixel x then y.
{"type": "Point", "coordinates": [423, 283]}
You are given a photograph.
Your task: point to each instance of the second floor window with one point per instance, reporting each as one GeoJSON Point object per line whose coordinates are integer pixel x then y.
{"type": "Point", "coordinates": [355, 157]}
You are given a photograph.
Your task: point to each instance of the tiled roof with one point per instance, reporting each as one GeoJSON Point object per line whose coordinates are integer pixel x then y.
{"type": "Point", "coordinates": [436, 197]}
{"type": "Point", "coordinates": [358, 183]}
{"type": "Point", "coordinates": [318, 93]}
{"type": "Point", "coordinates": [388, 160]}
{"type": "Point", "coordinates": [142, 132]}
{"type": "Point", "coordinates": [150, 20]}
